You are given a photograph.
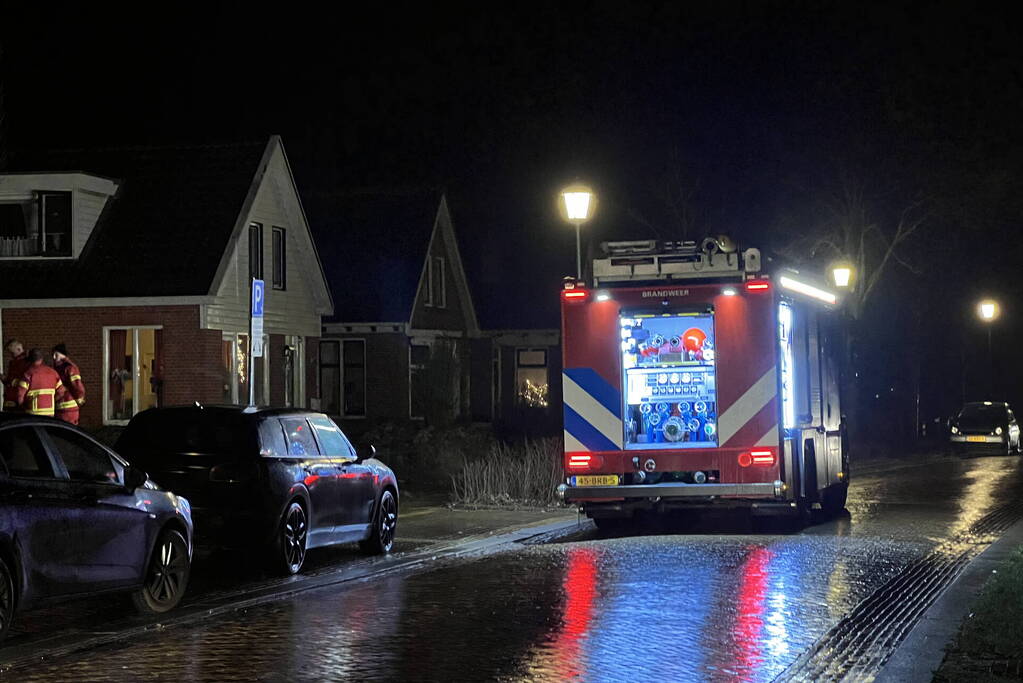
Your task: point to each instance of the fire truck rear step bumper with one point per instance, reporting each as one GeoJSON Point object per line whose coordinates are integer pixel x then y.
{"type": "Point", "coordinates": [671, 490]}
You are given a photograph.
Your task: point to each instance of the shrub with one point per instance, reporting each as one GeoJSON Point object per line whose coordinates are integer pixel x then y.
{"type": "Point", "coordinates": [525, 473]}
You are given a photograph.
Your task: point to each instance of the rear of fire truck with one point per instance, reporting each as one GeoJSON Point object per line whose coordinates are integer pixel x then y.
{"type": "Point", "coordinates": [678, 385]}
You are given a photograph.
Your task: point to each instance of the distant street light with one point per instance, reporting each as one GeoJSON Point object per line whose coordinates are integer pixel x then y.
{"type": "Point", "coordinates": [988, 311]}
{"type": "Point", "coordinates": [842, 274]}
{"type": "Point", "coordinates": [577, 205]}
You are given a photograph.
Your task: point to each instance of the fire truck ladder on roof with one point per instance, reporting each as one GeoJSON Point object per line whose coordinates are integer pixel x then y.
{"type": "Point", "coordinates": [648, 260]}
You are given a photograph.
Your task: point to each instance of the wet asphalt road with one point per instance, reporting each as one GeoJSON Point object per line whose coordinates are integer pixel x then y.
{"type": "Point", "coordinates": [732, 603]}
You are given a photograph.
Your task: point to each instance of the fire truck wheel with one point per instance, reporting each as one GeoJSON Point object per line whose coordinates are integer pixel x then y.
{"type": "Point", "coordinates": [611, 525]}
{"type": "Point", "coordinates": [833, 501]}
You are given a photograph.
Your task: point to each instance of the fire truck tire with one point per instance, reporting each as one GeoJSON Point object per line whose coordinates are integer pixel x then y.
{"type": "Point", "coordinates": [833, 501]}
{"type": "Point", "coordinates": [611, 525]}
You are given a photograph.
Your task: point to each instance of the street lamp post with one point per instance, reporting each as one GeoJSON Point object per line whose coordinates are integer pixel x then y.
{"type": "Point", "coordinates": [988, 311]}
{"type": "Point", "coordinates": [577, 205]}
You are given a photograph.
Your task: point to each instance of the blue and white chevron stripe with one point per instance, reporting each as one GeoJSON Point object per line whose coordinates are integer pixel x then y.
{"type": "Point", "coordinates": [593, 412]}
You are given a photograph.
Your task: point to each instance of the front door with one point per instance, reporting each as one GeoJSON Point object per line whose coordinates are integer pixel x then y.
{"type": "Point", "coordinates": [47, 537]}
{"type": "Point", "coordinates": [356, 481]}
{"type": "Point", "coordinates": [112, 536]}
{"type": "Point", "coordinates": [320, 479]}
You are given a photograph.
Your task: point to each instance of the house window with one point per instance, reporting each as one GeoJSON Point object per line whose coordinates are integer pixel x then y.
{"type": "Point", "coordinates": [55, 208]}
{"type": "Point", "coordinates": [436, 294]}
{"type": "Point", "coordinates": [228, 354]}
{"type": "Point", "coordinates": [419, 357]}
{"type": "Point", "coordinates": [330, 376]}
{"type": "Point", "coordinates": [133, 367]}
{"type": "Point", "coordinates": [531, 385]}
{"type": "Point", "coordinates": [280, 258]}
{"type": "Point", "coordinates": [354, 377]}
{"type": "Point", "coordinates": [256, 251]}
{"type": "Point", "coordinates": [37, 227]}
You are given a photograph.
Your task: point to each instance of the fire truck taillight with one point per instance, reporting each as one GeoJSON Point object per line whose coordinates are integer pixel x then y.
{"type": "Point", "coordinates": [579, 461]}
{"type": "Point", "coordinates": [758, 286]}
{"type": "Point", "coordinates": [575, 295]}
{"type": "Point", "coordinates": [761, 458]}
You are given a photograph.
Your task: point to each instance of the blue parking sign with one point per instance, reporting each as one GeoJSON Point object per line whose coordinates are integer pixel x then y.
{"type": "Point", "coordinates": [257, 298]}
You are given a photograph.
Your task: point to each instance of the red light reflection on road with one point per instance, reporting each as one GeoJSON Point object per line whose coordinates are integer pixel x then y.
{"type": "Point", "coordinates": [580, 588]}
{"type": "Point", "coordinates": [749, 622]}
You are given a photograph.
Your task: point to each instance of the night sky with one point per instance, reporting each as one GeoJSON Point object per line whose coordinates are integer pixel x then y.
{"type": "Point", "coordinates": [757, 112]}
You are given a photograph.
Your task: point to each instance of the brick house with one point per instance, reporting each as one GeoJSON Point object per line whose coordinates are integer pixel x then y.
{"type": "Point", "coordinates": [405, 342]}
{"type": "Point", "coordinates": [141, 259]}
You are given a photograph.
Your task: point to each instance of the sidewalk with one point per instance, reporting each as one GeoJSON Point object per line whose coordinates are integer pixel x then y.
{"type": "Point", "coordinates": [921, 654]}
{"type": "Point", "coordinates": [225, 583]}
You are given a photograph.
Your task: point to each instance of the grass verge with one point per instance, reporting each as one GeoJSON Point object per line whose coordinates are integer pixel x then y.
{"type": "Point", "coordinates": [988, 646]}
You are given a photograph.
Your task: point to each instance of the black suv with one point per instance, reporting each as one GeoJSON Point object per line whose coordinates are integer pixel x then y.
{"type": "Point", "coordinates": [76, 519]}
{"type": "Point", "coordinates": [283, 479]}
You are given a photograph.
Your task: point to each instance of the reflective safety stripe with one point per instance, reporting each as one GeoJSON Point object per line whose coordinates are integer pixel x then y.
{"type": "Point", "coordinates": [41, 401]}
{"type": "Point", "coordinates": [9, 404]}
{"type": "Point", "coordinates": [75, 378]}
{"type": "Point", "coordinates": [23, 384]}
{"type": "Point", "coordinates": [67, 405]}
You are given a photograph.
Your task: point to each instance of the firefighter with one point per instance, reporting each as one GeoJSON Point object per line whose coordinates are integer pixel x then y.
{"type": "Point", "coordinates": [71, 377]}
{"type": "Point", "coordinates": [16, 367]}
{"type": "Point", "coordinates": [40, 388]}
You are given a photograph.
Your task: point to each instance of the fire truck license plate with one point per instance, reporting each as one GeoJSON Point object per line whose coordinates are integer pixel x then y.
{"type": "Point", "coordinates": [979, 439]}
{"type": "Point", "coordinates": [597, 480]}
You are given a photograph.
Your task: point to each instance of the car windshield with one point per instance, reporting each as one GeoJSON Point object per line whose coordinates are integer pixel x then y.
{"type": "Point", "coordinates": [982, 417]}
{"type": "Point", "coordinates": [188, 431]}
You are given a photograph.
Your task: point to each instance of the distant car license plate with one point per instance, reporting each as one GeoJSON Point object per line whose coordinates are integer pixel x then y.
{"type": "Point", "coordinates": [976, 439]}
{"type": "Point", "coordinates": [597, 480]}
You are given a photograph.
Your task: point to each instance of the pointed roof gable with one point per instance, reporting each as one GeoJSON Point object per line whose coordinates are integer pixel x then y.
{"type": "Point", "coordinates": [373, 244]}
{"type": "Point", "coordinates": [443, 237]}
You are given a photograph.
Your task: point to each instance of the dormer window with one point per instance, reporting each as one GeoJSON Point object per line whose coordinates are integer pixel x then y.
{"type": "Point", "coordinates": [36, 227]}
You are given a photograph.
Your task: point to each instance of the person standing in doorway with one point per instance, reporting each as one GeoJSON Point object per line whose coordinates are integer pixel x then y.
{"type": "Point", "coordinates": [17, 364]}
{"type": "Point", "coordinates": [40, 388]}
{"type": "Point", "coordinates": [71, 377]}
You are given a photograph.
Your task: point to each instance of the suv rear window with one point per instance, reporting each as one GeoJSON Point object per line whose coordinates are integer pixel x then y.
{"type": "Point", "coordinates": [189, 431]}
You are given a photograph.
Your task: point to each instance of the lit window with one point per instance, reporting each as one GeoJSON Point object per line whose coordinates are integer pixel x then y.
{"type": "Point", "coordinates": [531, 383]}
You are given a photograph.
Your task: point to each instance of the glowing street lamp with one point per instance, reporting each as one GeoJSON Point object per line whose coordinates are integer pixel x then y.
{"type": "Point", "coordinates": [577, 204]}
{"type": "Point", "coordinates": [842, 274]}
{"type": "Point", "coordinates": [988, 310]}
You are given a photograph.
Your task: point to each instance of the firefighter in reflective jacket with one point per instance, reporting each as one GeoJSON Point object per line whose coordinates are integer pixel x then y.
{"type": "Point", "coordinates": [16, 367]}
{"type": "Point", "coordinates": [40, 388]}
{"type": "Point", "coordinates": [71, 377]}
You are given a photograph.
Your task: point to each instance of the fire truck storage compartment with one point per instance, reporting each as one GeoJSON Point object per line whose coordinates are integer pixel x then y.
{"type": "Point", "coordinates": [667, 361]}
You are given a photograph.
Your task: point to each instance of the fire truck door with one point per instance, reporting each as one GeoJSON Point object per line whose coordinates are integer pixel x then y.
{"type": "Point", "coordinates": [817, 431]}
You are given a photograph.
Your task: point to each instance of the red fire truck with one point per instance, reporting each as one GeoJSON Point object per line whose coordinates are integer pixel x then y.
{"type": "Point", "coordinates": [694, 377]}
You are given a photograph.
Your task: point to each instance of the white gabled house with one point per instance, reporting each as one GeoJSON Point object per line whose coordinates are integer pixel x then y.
{"type": "Point", "coordinates": [140, 261]}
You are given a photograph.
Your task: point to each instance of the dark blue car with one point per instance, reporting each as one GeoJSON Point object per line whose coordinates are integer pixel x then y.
{"type": "Point", "coordinates": [76, 519]}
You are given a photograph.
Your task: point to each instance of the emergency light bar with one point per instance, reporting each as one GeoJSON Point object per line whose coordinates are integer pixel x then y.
{"type": "Point", "coordinates": [807, 290]}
